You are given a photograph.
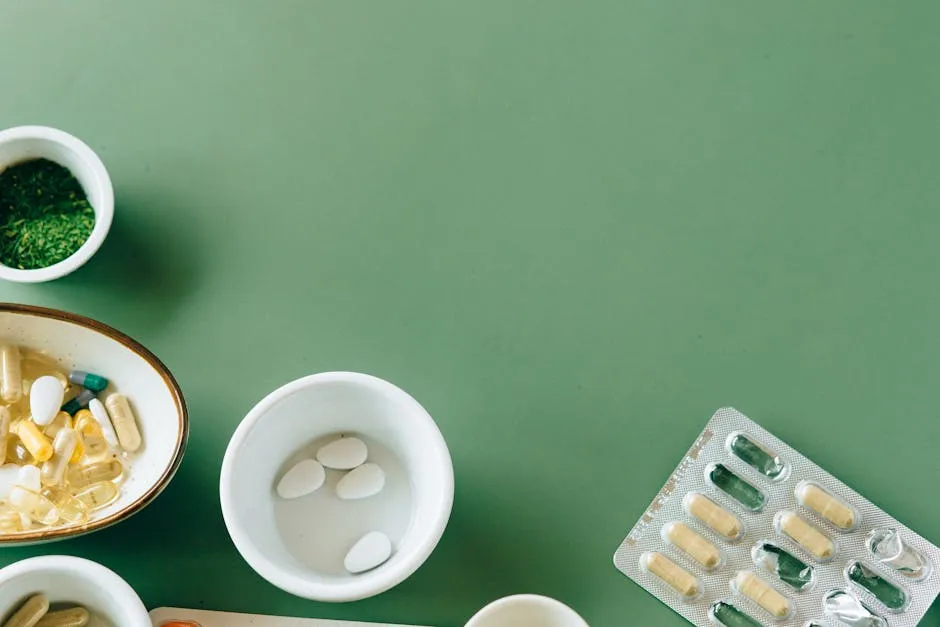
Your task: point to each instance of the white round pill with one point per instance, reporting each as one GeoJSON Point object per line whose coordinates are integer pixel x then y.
{"type": "Point", "coordinates": [372, 549]}
{"type": "Point", "coordinates": [362, 482]}
{"type": "Point", "coordinates": [303, 478]}
{"type": "Point", "coordinates": [45, 399]}
{"type": "Point", "coordinates": [343, 454]}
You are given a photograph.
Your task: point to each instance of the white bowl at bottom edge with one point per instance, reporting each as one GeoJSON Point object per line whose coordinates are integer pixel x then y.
{"type": "Point", "coordinates": [526, 609]}
{"type": "Point", "coordinates": [73, 580]}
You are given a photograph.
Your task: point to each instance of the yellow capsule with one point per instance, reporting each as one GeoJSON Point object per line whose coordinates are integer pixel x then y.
{"type": "Point", "coordinates": [53, 470]}
{"type": "Point", "coordinates": [11, 378]}
{"type": "Point", "coordinates": [71, 509]}
{"type": "Point", "coordinates": [17, 452]}
{"type": "Point", "coordinates": [82, 476]}
{"type": "Point", "coordinates": [98, 495]}
{"type": "Point", "coordinates": [756, 589]}
{"type": "Point", "coordinates": [79, 451]}
{"type": "Point", "coordinates": [831, 508]}
{"type": "Point", "coordinates": [806, 535]}
{"type": "Point", "coordinates": [678, 578]}
{"type": "Point", "coordinates": [36, 443]}
{"type": "Point", "coordinates": [6, 419]}
{"type": "Point", "coordinates": [692, 544]}
{"type": "Point", "coordinates": [715, 517]}
{"type": "Point", "coordinates": [12, 522]}
{"type": "Point", "coordinates": [62, 420]}
{"type": "Point", "coordinates": [34, 505]}
{"type": "Point", "coordinates": [30, 612]}
{"type": "Point", "coordinates": [124, 421]}
{"type": "Point", "coordinates": [92, 437]}
{"type": "Point", "coordinates": [72, 617]}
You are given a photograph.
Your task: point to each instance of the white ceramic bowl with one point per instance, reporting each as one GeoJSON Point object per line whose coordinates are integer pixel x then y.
{"type": "Point", "coordinates": [23, 143]}
{"type": "Point", "coordinates": [80, 343]}
{"type": "Point", "coordinates": [72, 580]}
{"type": "Point", "coordinates": [526, 609]}
{"type": "Point", "coordinates": [299, 545]}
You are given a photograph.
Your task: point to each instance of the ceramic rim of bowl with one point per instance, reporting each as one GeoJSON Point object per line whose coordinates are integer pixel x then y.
{"type": "Point", "coordinates": [182, 435]}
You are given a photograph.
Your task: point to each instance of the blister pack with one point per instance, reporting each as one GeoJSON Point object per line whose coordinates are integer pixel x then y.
{"type": "Point", "coordinates": [749, 532]}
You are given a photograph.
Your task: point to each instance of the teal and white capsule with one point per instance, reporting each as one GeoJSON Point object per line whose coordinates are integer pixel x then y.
{"type": "Point", "coordinates": [94, 382]}
{"type": "Point", "coordinates": [79, 402]}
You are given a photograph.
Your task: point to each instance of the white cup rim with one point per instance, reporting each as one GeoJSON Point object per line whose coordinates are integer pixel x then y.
{"type": "Point", "coordinates": [501, 605]}
{"type": "Point", "coordinates": [119, 590]}
{"type": "Point", "coordinates": [364, 585]}
{"type": "Point", "coordinates": [104, 211]}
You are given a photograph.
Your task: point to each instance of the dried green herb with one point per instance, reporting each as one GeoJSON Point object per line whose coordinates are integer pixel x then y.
{"type": "Point", "coordinates": [45, 215]}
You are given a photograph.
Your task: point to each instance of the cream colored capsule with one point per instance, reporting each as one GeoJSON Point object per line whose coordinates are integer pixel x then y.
{"type": "Point", "coordinates": [125, 424]}
{"type": "Point", "coordinates": [6, 420]}
{"type": "Point", "coordinates": [72, 617]}
{"type": "Point", "coordinates": [678, 578]}
{"type": "Point", "coordinates": [692, 543]}
{"type": "Point", "coordinates": [11, 378]}
{"type": "Point", "coordinates": [30, 612]}
{"type": "Point", "coordinates": [806, 535]}
{"type": "Point", "coordinates": [713, 515]}
{"type": "Point", "coordinates": [826, 505]}
{"type": "Point", "coordinates": [756, 589]}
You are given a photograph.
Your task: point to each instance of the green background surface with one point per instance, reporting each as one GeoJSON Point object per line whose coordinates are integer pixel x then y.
{"type": "Point", "coordinates": [572, 230]}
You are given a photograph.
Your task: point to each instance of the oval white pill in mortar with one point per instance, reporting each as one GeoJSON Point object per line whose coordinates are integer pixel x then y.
{"type": "Point", "coordinates": [303, 478]}
{"type": "Point", "coordinates": [343, 454]}
{"type": "Point", "coordinates": [362, 482]}
{"type": "Point", "coordinates": [45, 399]}
{"type": "Point", "coordinates": [372, 550]}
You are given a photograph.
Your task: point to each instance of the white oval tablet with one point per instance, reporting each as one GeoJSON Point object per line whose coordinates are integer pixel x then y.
{"type": "Point", "coordinates": [372, 549]}
{"type": "Point", "coordinates": [100, 413]}
{"type": "Point", "coordinates": [361, 482]}
{"type": "Point", "coordinates": [303, 478]}
{"type": "Point", "coordinates": [343, 454]}
{"type": "Point", "coordinates": [45, 399]}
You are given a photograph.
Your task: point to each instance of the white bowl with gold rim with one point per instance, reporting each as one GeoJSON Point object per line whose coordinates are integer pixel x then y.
{"type": "Point", "coordinates": [77, 342]}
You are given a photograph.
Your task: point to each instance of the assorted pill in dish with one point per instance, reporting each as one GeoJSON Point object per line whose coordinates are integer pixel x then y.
{"type": "Point", "coordinates": [63, 452]}
{"type": "Point", "coordinates": [748, 532]}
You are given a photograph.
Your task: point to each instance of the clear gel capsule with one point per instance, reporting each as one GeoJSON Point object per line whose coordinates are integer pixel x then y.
{"type": "Point", "coordinates": [789, 569]}
{"type": "Point", "coordinates": [846, 608]}
{"type": "Point", "coordinates": [728, 615]}
{"type": "Point", "coordinates": [97, 495]}
{"type": "Point", "coordinates": [34, 364]}
{"type": "Point", "coordinates": [35, 442]}
{"type": "Point", "coordinates": [124, 421]}
{"type": "Point", "coordinates": [749, 585]}
{"type": "Point", "coordinates": [806, 535]}
{"type": "Point", "coordinates": [737, 488]}
{"type": "Point", "coordinates": [34, 505]}
{"type": "Point", "coordinates": [91, 435]}
{"type": "Point", "coordinates": [13, 522]}
{"type": "Point", "coordinates": [94, 382]}
{"type": "Point", "coordinates": [53, 470]}
{"type": "Point", "coordinates": [6, 420]}
{"type": "Point", "coordinates": [756, 456]}
{"type": "Point", "coordinates": [11, 378]}
{"type": "Point", "coordinates": [79, 402]}
{"type": "Point", "coordinates": [30, 612]}
{"type": "Point", "coordinates": [61, 421]}
{"type": "Point", "coordinates": [816, 498]}
{"type": "Point", "coordinates": [70, 508]}
{"type": "Point", "coordinates": [82, 476]}
{"type": "Point", "coordinates": [893, 597]}
{"type": "Point", "coordinates": [886, 546]}
{"type": "Point", "coordinates": [676, 577]}
{"type": "Point", "coordinates": [692, 543]}
{"type": "Point", "coordinates": [100, 413]}
{"type": "Point", "coordinates": [72, 617]}
{"type": "Point", "coordinates": [714, 516]}
{"type": "Point", "coordinates": [17, 453]}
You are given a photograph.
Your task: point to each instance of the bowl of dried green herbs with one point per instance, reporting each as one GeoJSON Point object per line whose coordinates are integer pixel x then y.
{"type": "Point", "coordinates": [56, 203]}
